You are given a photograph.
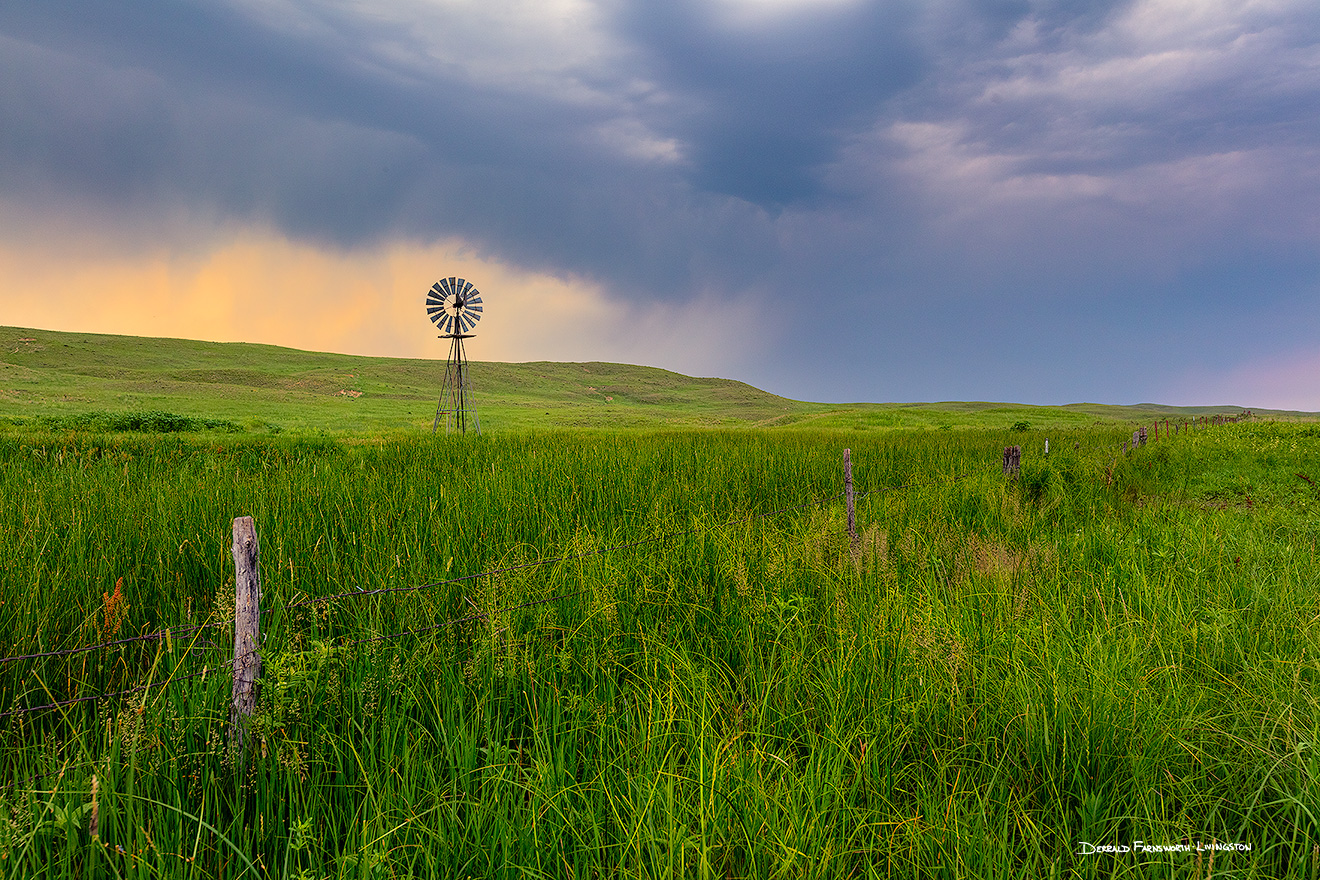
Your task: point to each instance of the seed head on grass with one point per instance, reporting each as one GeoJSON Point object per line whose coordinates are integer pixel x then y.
{"type": "Point", "coordinates": [94, 826]}
{"type": "Point", "coordinates": [116, 607]}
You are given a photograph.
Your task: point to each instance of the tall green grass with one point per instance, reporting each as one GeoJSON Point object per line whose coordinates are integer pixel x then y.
{"type": "Point", "coordinates": [1109, 649]}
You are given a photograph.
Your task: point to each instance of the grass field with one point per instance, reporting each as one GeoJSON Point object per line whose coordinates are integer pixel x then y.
{"type": "Point", "coordinates": [1113, 648]}
{"type": "Point", "coordinates": [706, 679]}
{"type": "Point", "coordinates": [261, 388]}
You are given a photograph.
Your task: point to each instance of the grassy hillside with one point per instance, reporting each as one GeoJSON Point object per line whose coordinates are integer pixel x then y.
{"type": "Point", "coordinates": [46, 374]}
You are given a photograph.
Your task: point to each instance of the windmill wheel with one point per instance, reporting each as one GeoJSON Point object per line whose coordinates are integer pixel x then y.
{"type": "Point", "coordinates": [454, 305]}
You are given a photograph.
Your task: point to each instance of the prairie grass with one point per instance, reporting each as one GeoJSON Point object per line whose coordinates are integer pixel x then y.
{"type": "Point", "coordinates": [995, 676]}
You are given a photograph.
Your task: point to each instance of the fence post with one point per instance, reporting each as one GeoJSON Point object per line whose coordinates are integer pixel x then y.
{"type": "Point", "coordinates": [848, 494]}
{"type": "Point", "coordinates": [247, 628]}
{"type": "Point", "coordinates": [1141, 436]}
{"type": "Point", "coordinates": [1012, 460]}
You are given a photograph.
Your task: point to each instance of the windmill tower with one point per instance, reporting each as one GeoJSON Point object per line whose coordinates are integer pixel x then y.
{"type": "Point", "coordinates": [454, 306]}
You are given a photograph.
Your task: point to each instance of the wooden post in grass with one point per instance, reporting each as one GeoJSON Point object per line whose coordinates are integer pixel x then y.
{"type": "Point", "coordinates": [1012, 460]}
{"type": "Point", "coordinates": [1141, 436]}
{"type": "Point", "coordinates": [848, 495]}
{"type": "Point", "coordinates": [247, 628]}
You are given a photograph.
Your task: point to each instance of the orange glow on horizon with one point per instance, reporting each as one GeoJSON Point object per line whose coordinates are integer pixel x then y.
{"type": "Point", "coordinates": [268, 289]}
{"type": "Point", "coordinates": [256, 287]}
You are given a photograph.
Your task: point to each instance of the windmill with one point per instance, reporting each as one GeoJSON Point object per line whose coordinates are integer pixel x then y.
{"type": "Point", "coordinates": [454, 306]}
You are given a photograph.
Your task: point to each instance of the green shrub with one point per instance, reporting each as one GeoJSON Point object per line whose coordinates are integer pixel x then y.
{"type": "Point", "coordinates": [151, 422]}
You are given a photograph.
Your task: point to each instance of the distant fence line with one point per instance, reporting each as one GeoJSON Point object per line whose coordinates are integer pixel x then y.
{"type": "Point", "coordinates": [247, 583]}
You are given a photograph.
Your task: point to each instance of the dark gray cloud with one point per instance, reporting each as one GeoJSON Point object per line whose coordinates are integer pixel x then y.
{"type": "Point", "coordinates": [890, 179]}
{"type": "Point", "coordinates": [169, 102]}
{"type": "Point", "coordinates": [769, 104]}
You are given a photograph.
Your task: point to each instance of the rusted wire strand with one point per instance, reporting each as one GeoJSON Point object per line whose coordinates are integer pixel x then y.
{"type": "Point", "coordinates": [471, 617]}
{"type": "Point", "coordinates": [206, 671]}
{"type": "Point", "coordinates": [359, 594]}
{"type": "Point", "coordinates": [159, 635]}
{"type": "Point", "coordinates": [142, 687]}
{"type": "Point", "coordinates": [884, 489]}
{"type": "Point", "coordinates": [356, 594]}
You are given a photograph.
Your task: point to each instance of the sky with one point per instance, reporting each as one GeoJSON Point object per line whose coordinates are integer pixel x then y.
{"type": "Point", "coordinates": [834, 200]}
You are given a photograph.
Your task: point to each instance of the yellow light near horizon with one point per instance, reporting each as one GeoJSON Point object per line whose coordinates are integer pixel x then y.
{"type": "Point", "coordinates": [271, 290]}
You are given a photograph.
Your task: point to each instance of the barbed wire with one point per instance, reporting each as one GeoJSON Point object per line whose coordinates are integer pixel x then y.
{"type": "Point", "coordinates": [479, 615]}
{"type": "Point", "coordinates": [469, 618]}
{"type": "Point", "coordinates": [360, 594]}
{"type": "Point", "coordinates": [194, 628]}
{"type": "Point", "coordinates": [884, 489]}
{"type": "Point", "coordinates": [159, 635]}
{"type": "Point", "coordinates": [186, 630]}
{"type": "Point", "coordinates": [171, 679]}
{"type": "Point", "coordinates": [357, 594]}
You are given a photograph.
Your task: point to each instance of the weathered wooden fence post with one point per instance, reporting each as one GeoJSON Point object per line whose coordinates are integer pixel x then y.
{"type": "Point", "coordinates": [247, 628]}
{"type": "Point", "coordinates": [1141, 436]}
{"type": "Point", "coordinates": [1012, 460]}
{"type": "Point", "coordinates": [848, 495]}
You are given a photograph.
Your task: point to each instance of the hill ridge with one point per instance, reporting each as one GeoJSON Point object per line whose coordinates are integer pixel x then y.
{"type": "Point", "coordinates": [60, 373]}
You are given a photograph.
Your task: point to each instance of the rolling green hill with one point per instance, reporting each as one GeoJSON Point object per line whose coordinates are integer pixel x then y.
{"type": "Point", "coordinates": [52, 375]}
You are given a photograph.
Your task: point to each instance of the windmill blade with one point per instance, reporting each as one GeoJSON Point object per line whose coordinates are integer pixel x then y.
{"type": "Point", "coordinates": [454, 305]}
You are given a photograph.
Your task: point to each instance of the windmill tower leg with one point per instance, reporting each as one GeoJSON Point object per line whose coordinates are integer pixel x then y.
{"type": "Point", "coordinates": [460, 391]}
{"type": "Point", "coordinates": [455, 396]}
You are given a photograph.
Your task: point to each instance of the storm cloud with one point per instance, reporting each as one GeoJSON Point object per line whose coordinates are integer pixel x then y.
{"type": "Point", "coordinates": [915, 200]}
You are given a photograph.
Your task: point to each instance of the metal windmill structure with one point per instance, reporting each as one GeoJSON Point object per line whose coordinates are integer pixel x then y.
{"type": "Point", "coordinates": [454, 306]}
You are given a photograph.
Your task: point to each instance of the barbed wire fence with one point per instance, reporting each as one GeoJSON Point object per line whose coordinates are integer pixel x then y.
{"type": "Point", "coordinates": [1011, 467]}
